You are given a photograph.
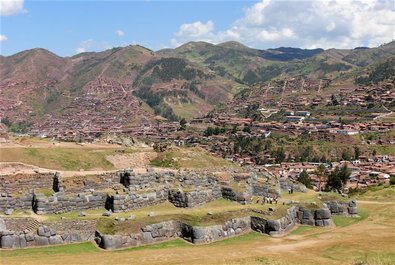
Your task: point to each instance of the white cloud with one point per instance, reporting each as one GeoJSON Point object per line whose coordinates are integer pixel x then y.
{"type": "Point", "coordinates": [321, 23]}
{"type": "Point", "coordinates": [11, 7]}
{"type": "Point", "coordinates": [194, 31]}
{"type": "Point", "coordinates": [120, 33]}
{"type": "Point", "coordinates": [3, 38]}
{"type": "Point", "coordinates": [85, 45]}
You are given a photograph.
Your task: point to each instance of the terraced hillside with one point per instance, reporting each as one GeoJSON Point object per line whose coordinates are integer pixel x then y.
{"type": "Point", "coordinates": [39, 87]}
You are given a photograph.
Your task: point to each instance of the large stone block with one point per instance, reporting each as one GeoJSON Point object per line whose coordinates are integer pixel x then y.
{"type": "Point", "coordinates": [10, 241]}
{"type": "Point", "coordinates": [55, 240]}
{"type": "Point", "coordinates": [41, 240]}
{"type": "Point", "coordinates": [321, 214]}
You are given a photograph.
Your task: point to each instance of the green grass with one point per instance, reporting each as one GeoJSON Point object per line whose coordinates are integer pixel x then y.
{"type": "Point", "coordinates": [343, 221]}
{"type": "Point", "coordinates": [385, 193]}
{"type": "Point", "coordinates": [240, 239]}
{"type": "Point", "coordinates": [167, 244]}
{"type": "Point", "coordinates": [303, 229]}
{"type": "Point", "coordinates": [383, 149]}
{"type": "Point", "coordinates": [86, 247]}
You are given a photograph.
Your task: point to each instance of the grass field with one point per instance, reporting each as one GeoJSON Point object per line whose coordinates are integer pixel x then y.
{"type": "Point", "coordinates": [190, 158]}
{"type": "Point", "coordinates": [63, 156]}
{"type": "Point", "coordinates": [368, 239]}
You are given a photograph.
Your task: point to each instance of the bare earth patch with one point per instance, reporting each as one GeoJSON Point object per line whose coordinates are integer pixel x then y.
{"type": "Point", "coordinates": [132, 160]}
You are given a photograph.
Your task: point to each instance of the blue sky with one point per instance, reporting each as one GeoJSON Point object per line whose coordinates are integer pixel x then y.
{"type": "Point", "coordinates": [69, 27]}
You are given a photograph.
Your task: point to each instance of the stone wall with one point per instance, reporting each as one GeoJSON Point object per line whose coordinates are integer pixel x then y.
{"type": "Point", "coordinates": [264, 190]}
{"type": "Point", "coordinates": [44, 236]}
{"type": "Point", "coordinates": [60, 202]}
{"type": "Point", "coordinates": [342, 208]}
{"type": "Point", "coordinates": [78, 184]}
{"type": "Point", "coordinates": [148, 234]}
{"type": "Point", "coordinates": [277, 226]}
{"type": "Point", "coordinates": [286, 184]}
{"type": "Point", "coordinates": [193, 198]}
{"type": "Point", "coordinates": [238, 196]}
{"type": "Point", "coordinates": [16, 202]}
{"type": "Point", "coordinates": [24, 183]}
{"type": "Point", "coordinates": [133, 200]}
{"type": "Point", "coordinates": [206, 234]}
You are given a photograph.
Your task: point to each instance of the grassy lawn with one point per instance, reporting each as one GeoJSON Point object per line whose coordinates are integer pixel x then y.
{"type": "Point", "coordinates": [342, 221]}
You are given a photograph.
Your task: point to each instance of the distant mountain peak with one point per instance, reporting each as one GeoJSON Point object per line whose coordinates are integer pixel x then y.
{"type": "Point", "coordinates": [233, 45]}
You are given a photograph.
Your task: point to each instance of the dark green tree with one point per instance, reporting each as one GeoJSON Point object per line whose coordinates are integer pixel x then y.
{"type": "Point", "coordinates": [338, 178]}
{"type": "Point", "coordinates": [305, 179]}
{"type": "Point", "coordinates": [357, 152]}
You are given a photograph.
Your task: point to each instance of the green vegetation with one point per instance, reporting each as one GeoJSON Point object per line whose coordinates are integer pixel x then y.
{"type": "Point", "coordinates": [342, 221]}
{"type": "Point", "coordinates": [189, 158]}
{"type": "Point", "coordinates": [303, 229]}
{"type": "Point", "coordinates": [305, 179]}
{"type": "Point", "coordinates": [380, 72]}
{"type": "Point", "coordinates": [338, 177]}
{"type": "Point", "coordinates": [61, 158]}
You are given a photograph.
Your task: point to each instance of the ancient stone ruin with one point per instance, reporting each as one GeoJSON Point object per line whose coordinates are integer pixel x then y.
{"type": "Point", "coordinates": [125, 190]}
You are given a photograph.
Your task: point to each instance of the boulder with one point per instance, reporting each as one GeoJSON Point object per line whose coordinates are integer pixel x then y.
{"type": "Point", "coordinates": [41, 240]}
{"type": "Point", "coordinates": [107, 213]}
{"type": "Point", "coordinates": [352, 210]}
{"type": "Point", "coordinates": [10, 241]}
{"type": "Point", "coordinates": [273, 226]}
{"type": "Point", "coordinates": [55, 240]}
{"type": "Point", "coordinates": [323, 213]}
{"type": "Point", "coordinates": [8, 211]}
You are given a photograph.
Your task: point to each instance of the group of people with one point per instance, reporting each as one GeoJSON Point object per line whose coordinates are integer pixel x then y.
{"type": "Point", "coordinates": [268, 200]}
{"type": "Point", "coordinates": [290, 190]}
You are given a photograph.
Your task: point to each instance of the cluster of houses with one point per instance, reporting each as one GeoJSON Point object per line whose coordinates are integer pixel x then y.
{"type": "Point", "coordinates": [366, 171]}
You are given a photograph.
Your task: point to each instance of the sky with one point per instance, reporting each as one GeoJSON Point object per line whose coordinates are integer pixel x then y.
{"type": "Point", "coordinates": [70, 27]}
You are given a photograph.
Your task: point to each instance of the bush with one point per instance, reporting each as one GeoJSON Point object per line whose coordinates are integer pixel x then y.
{"type": "Point", "coordinates": [392, 181]}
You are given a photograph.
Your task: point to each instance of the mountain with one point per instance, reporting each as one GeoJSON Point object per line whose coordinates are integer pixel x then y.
{"type": "Point", "coordinates": [134, 85]}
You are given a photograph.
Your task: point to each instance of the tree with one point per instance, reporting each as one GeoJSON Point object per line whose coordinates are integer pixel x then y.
{"type": "Point", "coordinates": [334, 100]}
{"type": "Point", "coordinates": [357, 152]}
{"type": "Point", "coordinates": [322, 173]}
{"type": "Point", "coordinates": [346, 155]}
{"type": "Point", "coordinates": [183, 124]}
{"type": "Point", "coordinates": [305, 179]}
{"type": "Point", "coordinates": [6, 121]}
{"type": "Point", "coordinates": [279, 155]}
{"type": "Point", "coordinates": [338, 177]}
